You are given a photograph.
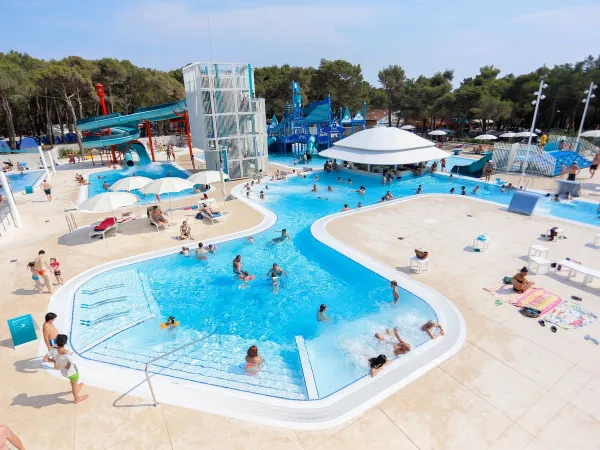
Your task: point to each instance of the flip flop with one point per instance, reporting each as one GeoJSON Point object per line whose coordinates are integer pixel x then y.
{"type": "Point", "coordinates": [542, 323]}
{"type": "Point", "coordinates": [574, 297]}
{"type": "Point", "coordinates": [82, 398]}
{"type": "Point", "coordinates": [553, 329]}
{"type": "Point", "coordinates": [589, 338]}
{"type": "Point", "coordinates": [498, 302]}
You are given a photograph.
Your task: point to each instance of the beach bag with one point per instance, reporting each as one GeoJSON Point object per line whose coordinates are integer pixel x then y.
{"type": "Point", "coordinates": [507, 280]}
{"type": "Point", "coordinates": [421, 254]}
{"type": "Point", "coordinates": [530, 312]}
{"type": "Point", "coordinates": [199, 216]}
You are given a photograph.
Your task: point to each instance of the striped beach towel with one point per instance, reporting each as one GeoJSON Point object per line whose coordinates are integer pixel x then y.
{"type": "Point", "coordinates": [539, 299]}
{"type": "Point", "coordinates": [502, 291]}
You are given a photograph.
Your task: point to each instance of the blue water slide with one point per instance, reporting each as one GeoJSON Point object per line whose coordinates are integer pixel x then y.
{"type": "Point", "coordinates": [141, 152]}
{"type": "Point", "coordinates": [271, 140]}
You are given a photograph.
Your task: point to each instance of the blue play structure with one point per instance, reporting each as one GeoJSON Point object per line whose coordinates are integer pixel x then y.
{"type": "Point", "coordinates": [523, 202]}
{"type": "Point", "coordinates": [568, 158]}
{"type": "Point", "coordinates": [306, 129]}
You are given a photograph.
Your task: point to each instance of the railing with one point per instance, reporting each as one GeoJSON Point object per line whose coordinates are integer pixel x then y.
{"type": "Point", "coordinates": [5, 216]}
{"type": "Point", "coordinates": [71, 223]}
{"type": "Point", "coordinates": [523, 158]}
{"type": "Point", "coordinates": [165, 355]}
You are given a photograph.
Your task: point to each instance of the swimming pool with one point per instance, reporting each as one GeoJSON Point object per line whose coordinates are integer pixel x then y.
{"type": "Point", "coordinates": [316, 162]}
{"type": "Point", "coordinates": [153, 171]}
{"type": "Point", "coordinates": [18, 181]}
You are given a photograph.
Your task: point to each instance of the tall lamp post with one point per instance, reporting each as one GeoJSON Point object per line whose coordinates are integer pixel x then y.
{"type": "Point", "coordinates": [590, 95]}
{"type": "Point", "coordinates": [536, 102]}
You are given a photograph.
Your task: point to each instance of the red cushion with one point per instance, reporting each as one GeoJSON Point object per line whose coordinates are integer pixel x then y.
{"type": "Point", "coordinates": [106, 223]}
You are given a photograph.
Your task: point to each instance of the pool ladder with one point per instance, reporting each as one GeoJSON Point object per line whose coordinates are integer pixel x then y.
{"type": "Point", "coordinates": [153, 360]}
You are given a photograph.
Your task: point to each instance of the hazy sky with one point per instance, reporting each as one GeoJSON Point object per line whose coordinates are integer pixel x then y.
{"type": "Point", "coordinates": [423, 36]}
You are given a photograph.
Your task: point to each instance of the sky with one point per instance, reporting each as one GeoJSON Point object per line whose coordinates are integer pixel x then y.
{"type": "Point", "coordinates": [422, 36]}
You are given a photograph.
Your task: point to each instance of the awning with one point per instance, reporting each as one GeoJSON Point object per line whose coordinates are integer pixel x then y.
{"type": "Point", "coordinates": [383, 145]}
{"type": "Point", "coordinates": [383, 157]}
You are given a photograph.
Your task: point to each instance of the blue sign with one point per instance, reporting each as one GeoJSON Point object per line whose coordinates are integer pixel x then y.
{"type": "Point", "coordinates": [22, 329]}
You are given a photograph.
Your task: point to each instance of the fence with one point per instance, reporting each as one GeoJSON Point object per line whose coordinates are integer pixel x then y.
{"type": "Point", "coordinates": [516, 157]}
{"type": "Point", "coordinates": [585, 147]}
{"type": "Point", "coordinates": [6, 218]}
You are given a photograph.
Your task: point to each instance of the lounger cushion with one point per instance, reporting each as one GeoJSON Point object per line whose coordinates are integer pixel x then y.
{"type": "Point", "coordinates": [106, 223]}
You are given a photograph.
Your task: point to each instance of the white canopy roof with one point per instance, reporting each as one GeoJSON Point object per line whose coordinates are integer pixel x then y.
{"type": "Point", "coordinates": [384, 145]}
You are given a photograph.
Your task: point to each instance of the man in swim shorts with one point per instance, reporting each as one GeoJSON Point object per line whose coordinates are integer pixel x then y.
{"type": "Point", "coordinates": [201, 251]}
{"type": "Point", "coordinates": [278, 270]}
{"type": "Point", "coordinates": [49, 332]}
{"type": "Point", "coordinates": [284, 236]}
{"type": "Point", "coordinates": [237, 265]}
{"type": "Point", "coordinates": [42, 266]}
{"type": "Point", "coordinates": [47, 189]}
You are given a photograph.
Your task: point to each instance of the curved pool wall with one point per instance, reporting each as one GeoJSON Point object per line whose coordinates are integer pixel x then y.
{"type": "Point", "coordinates": [331, 410]}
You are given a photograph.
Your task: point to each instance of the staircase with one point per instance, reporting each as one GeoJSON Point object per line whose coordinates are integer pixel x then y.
{"type": "Point", "coordinates": [219, 361]}
{"type": "Point", "coordinates": [568, 158]}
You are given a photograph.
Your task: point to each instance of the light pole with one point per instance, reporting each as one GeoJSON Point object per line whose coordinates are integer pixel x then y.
{"type": "Point", "coordinates": [536, 102]}
{"type": "Point", "coordinates": [590, 95]}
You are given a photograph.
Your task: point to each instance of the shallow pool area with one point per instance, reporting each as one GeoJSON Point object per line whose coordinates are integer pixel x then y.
{"type": "Point", "coordinates": [153, 171]}
{"type": "Point", "coordinates": [20, 180]}
{"type": "Point", "coordinates": [288, 159]}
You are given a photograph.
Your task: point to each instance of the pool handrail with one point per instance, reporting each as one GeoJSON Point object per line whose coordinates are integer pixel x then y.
{"type": "Point", "coordinates": [167, 354]}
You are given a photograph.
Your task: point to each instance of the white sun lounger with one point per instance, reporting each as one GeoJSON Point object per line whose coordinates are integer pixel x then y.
{"type": "Point", "coordinates": [102, 233]}
{"type": "Point", "coordinates": [588, 273]}
{"type": "Point", "coordinates": [220, 218]}
{"type": "Point", "coordinates": [158, 225]}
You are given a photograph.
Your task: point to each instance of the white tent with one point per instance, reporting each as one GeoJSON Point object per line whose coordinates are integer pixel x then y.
{"type": "Point", "coordinates": [384, 145]}
{"type": "Point", "coordinates": [591, 133]}
{"type": "Point", "coordinates": [437, 133]}
{"type": "Point", "coordinates": [486, 137]}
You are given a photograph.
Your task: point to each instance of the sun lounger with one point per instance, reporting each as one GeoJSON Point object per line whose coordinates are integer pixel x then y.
{"type": "Point", "coordinates": [103, 228]}
{"type": "Point", "coordinates": [588, 273]}
{"type": "Point", "coordinates": [160, 224]}
{"type": "Point", "coordinates": [222, 217]}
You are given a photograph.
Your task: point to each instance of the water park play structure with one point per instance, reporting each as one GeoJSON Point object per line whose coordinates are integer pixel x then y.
{"type": "Point", "coordinates": [117, 134]}
{"type": "Point", "coordinates": [307, 129]}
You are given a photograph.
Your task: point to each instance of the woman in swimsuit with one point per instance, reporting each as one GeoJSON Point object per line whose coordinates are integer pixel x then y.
{"type": "Point", "coordinates": [254, 361]}
{"type": "Point", "coordinates": [519, 281]}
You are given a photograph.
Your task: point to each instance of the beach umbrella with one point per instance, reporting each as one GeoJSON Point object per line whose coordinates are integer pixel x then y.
{"type": "Point", "coordinates": [486, 137]}
{"type": "Point", "coordinates": [167, 185]}
{"type": "Point", "coordinates": [509, 135]}
{"type": "Point", "coordinates": [591, 133]}
{"type": "Point", "coordinates": [130, 183]}
{"type": "Point", "coordinates": [407, 127]}
{"type": "Point", "coordinates": [108, 202]}
{"type": "Point", "coordinates": [525, 134]}
{"type": "Point", "coordinates": [437, 133]}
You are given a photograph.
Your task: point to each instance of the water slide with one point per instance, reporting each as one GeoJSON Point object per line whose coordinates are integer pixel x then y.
{"type": "Point", "coordinates": [475, 169]}
{"type": "Point", "coordinates": [310, 145]}
{"type": "Point", "coordinates": [124, 128]}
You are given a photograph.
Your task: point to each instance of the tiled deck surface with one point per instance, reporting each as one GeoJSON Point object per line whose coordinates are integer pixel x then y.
{"type": "Point", "coordinates": [514, 385]}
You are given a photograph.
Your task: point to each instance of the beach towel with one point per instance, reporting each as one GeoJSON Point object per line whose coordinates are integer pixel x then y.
{"type": "Point", "coordinates": [570, 315]}
{"type": "Point", "coordinates": [106, 223]}
{"type": "Point", "coordinates": [504, 292]}
{"type": "Point", "coordinates": [537, 298]}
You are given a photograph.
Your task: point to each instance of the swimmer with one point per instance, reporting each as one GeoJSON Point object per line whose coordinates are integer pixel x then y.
{"type": "Point", "coordinates": [185, 251]}
{"type": "Point", "coordinates": [452, 191]}
{"type": "Point", "coordinates": [170, 322]}
{"type": "Point", "coordinates": [451, 177]}
{"type": "Point", "coordinates": [262, 195]}
{"type": "Point", "coordinates": [329, 188]}
{"type": "Point", "coordinates": [314, 189]}
{"type": "Point", "coordinates": [383, 179]}
{"type": "Point", "coordinates": [400, 348]}
{"type": "Point", "coordinates": [284, 236]}
{"type": "Point", "coordinates": [237, 265]}
{"type": "Point", "coordinates": [395, 293]}
{"type": "Point", "coordinates": [339, 180]}
{"type": "Point", "coordinates": [389, 196]}
{"type": "Point", "coordinates": [476, 189]}
{"type": "Point", "coordinates": [419, 189]}
{"type": "Point", "coordinates": [361, 191]}
{"type": "Point", "coordinates": [316, 177]}
{"type": "Point", "coordinates": [463, 190]}
{"type": "Point", "coordinates": [274, 282]}
{"type": "Point", "coordinates": [247, 194]}
{"type": "Point", "coordinates": [321, 316]}
{"type": "Point", "coordinates": [501, 188]}
{"type": "Point", "coordinates": [201, 251]}
{"type": "Point", "coordinates": [105, 186]}
{"type": "Point", "coordinates": [212, 249]}
{"type": "Point", "coordinates": [556, 198]}
{"type": "Point", "coordinates": [345, 208]}
{"type": "Point", "coordinates": [254, 361]}
{"type": "Point", "coordinates": [245, 276]}
{"type": "Point", "coordinates": [250, 239]}
{"type": "Point", "coordinates": [376, 364]}
{"type": "Point", "coordinates": [349, 180]}
{"type": "Point", "coordinates": [383, 199]}
{"type": "Point", "coordinates": [278, 270]}
{"type": "Point", "coordinates": [359, 205]}
{"type": "Point", "coordinates": [430, 325]}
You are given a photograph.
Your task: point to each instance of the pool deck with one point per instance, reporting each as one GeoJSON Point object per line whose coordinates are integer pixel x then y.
{"type": "Point", "coordinates": [514, 385]}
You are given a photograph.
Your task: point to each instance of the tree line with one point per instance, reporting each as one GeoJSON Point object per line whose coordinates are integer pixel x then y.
{"type": "Point", "coordinates": [35, 94]}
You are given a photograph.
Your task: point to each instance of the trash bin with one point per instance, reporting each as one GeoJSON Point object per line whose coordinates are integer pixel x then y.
{"type": "Point", "coordinates": [29, 189]}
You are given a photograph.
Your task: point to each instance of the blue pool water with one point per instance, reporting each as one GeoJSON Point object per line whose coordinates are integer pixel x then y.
{"type": "Point", "coordinates": [208, 300]}
{"type": "Point", "coordinates": [316, 162]}
{"type": "Point", "coordinates": [153, 171]}
{"type": "Point", "coordinates": [19, 181]}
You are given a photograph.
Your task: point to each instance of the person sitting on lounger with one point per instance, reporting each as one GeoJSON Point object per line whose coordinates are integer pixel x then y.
{"type": "Point", "coordinates": [185, 231]}
{"type": "Point", "coordinates": [158, 217]}
{"type": "Point", "coordinates": [430, 325]}
{"type": "Point", "coordinates": [519, 281]}
{"type": "Point", "coordinates": [400, 348]}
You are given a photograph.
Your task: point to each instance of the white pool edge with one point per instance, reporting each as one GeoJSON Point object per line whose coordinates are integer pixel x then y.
{"type": "Point", "coordinates": [330, 411]}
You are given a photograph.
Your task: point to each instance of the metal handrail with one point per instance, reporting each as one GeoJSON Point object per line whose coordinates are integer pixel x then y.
{"type": "Point", "coordinates": [167, 354]}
